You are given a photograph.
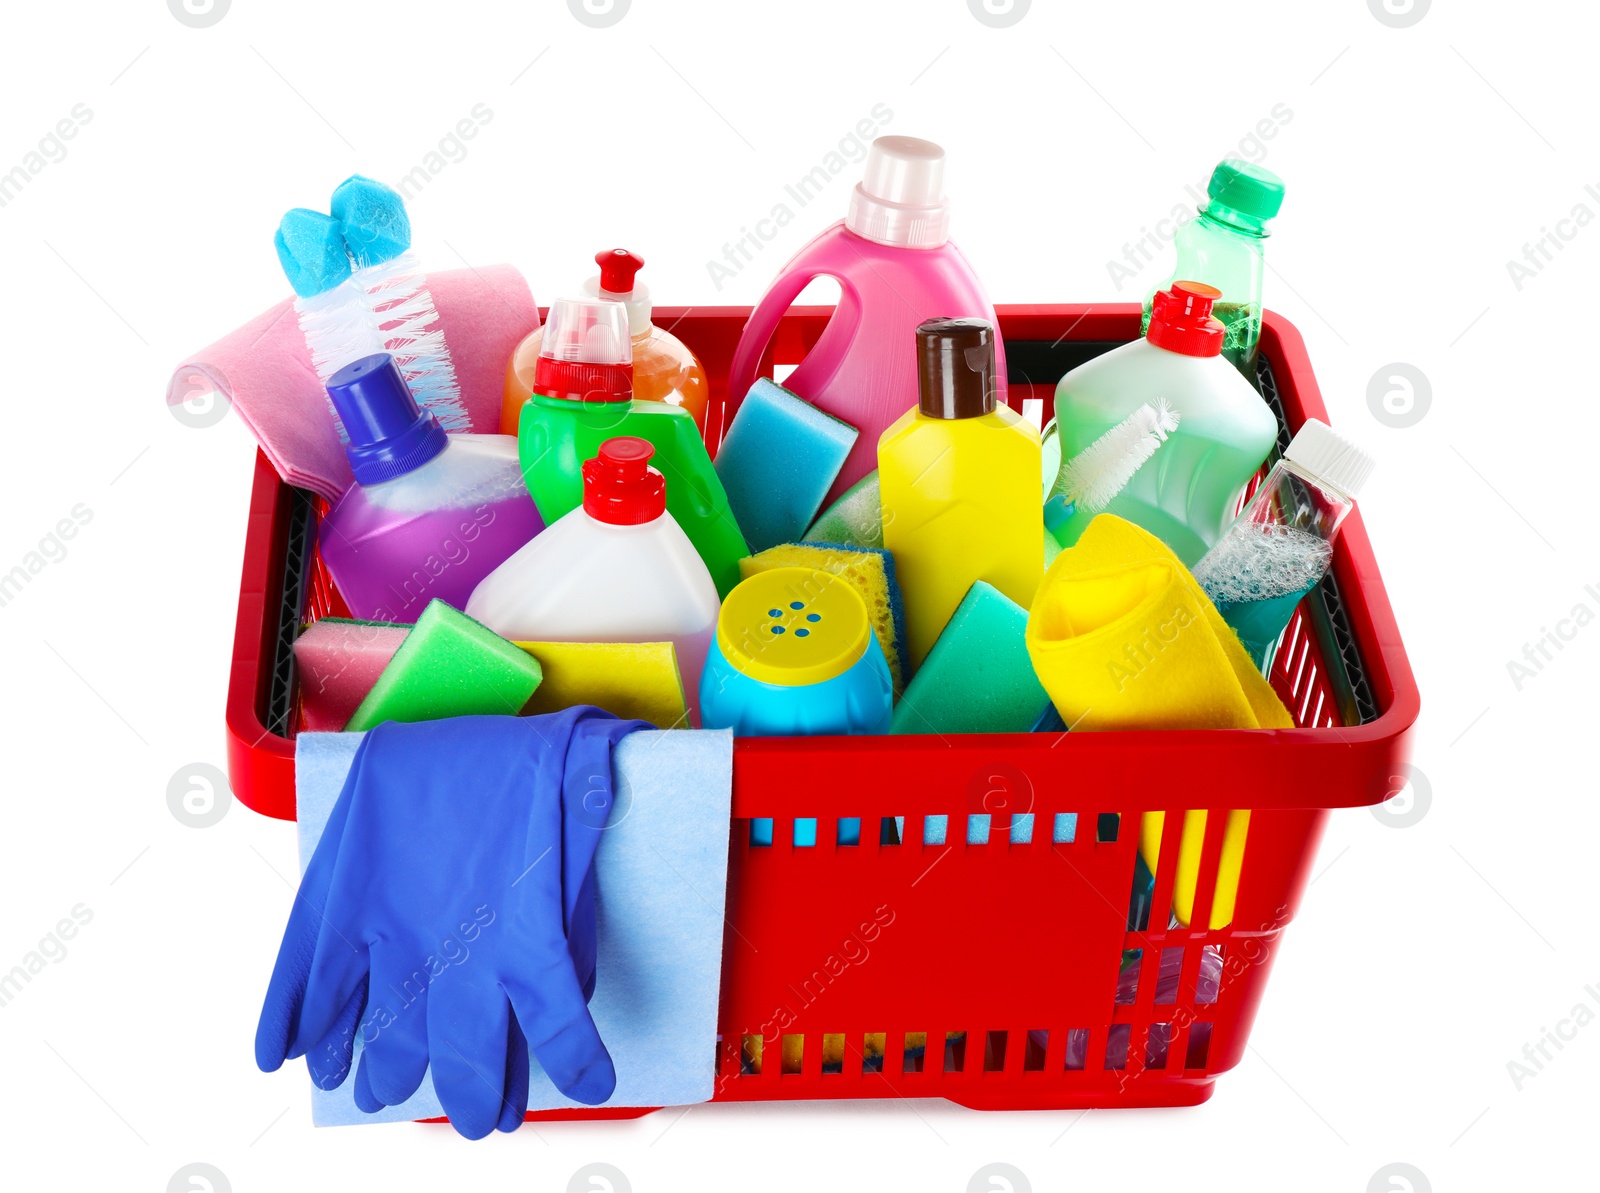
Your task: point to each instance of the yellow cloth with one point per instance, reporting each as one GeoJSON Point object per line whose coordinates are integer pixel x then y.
{"type": "Point", "coordinates": [1123, 638]}
{"type": "Point", "coordinates": [628, 679]}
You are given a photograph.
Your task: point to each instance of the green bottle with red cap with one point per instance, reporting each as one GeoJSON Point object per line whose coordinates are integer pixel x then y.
{"type": "Point", "coordinates": [583, 396]}
{"type": "Point", "coordinates": [1224, 246]}
{"type": "Point", "coordinates": [664, 369]}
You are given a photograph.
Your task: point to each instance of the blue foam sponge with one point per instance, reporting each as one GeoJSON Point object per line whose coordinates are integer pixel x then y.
{"type": "Point", "coordinates": [311, 250]}
{"type": "Point", "coordinates": [777, 463]}
{"type": "Point", "coordinates": [376, 227]}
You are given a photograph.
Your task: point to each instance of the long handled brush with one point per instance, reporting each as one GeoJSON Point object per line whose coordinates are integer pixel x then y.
{"type": "Point", "coordinates": [360, 290]}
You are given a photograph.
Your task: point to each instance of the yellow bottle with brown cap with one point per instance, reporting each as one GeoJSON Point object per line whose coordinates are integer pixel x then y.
{"type": "Point", "coordinates": [958, 478]}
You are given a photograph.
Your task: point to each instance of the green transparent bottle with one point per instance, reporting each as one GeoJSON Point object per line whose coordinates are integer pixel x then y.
{"type": "Point", "coordinates": [1223, 247]}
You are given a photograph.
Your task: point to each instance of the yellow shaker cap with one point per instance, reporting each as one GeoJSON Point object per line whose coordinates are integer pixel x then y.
{"type": "Point", "coordinates": [793, 626]}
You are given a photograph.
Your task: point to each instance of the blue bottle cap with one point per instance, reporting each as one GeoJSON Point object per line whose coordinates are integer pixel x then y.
{"type": "Point", "coordinates": [389, 435]}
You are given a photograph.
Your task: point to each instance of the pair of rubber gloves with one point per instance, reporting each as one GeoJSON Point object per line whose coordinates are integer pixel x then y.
{"type": "Point", "coordinates": [447, 919]}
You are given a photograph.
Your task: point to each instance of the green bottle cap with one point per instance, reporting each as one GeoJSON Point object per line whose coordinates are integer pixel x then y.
{"type": "Point", "coordinates": [1246, 188]}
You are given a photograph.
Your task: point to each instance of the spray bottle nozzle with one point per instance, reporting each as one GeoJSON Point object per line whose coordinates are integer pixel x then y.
{"type": "Point", "coordinates": [617, 267]}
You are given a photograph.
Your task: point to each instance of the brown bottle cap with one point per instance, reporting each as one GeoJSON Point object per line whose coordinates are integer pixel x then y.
{"type": "Point", "coordinates": [955, 368]}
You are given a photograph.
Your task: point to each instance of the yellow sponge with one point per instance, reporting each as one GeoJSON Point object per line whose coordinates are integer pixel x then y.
{"type": "Point", "coordinates": [632, 680]}
{"type": "Point", "coordinates": [868, 570]}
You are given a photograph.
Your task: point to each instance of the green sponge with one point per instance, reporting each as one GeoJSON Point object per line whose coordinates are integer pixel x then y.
{"type": "Point", "coordinates": [978, 677]}
{"type": "Point", "coordinates": [856, 518]}
{"type": "Point", "coordinates": [449, 666]}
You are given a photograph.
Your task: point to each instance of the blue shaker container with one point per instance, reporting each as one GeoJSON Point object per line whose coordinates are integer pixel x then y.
{"type": "Point", "coordinates": [795, 654]}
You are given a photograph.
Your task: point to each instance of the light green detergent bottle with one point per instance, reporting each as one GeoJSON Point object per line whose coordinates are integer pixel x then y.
{"type": "Point", "coordinates": [1187, 493]}
{"type": "Point", "coordinates": [1223, 247]}
{"type": "Point", "coordinates": [582, 396]}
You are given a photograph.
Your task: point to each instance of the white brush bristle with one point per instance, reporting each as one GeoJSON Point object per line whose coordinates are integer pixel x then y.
{"type": "Point", "coordinates": [403, 313]}
{"type": "Point", "coordinates": [386, 308]}
{"type": "Point", "coordinates": [1093, 477]}
{"type": "Point", "coordinates": [338, 328]}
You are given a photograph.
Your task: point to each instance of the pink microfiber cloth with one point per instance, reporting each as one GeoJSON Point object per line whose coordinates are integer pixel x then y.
{"type": "Point", "coordinates": [339, 662]}
{"type": "Point", "coordinates": [264, 371]}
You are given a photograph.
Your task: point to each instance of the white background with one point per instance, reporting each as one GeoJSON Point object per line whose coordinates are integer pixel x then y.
{"type": "Point", "coordinates": [1419, 161]}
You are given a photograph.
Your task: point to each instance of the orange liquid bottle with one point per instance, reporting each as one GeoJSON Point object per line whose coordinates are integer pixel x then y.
{"type": "Point", "coordinates": [664, 370]}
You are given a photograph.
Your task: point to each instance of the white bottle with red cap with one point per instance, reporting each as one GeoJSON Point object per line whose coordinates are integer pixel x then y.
{"type": "Point", "coordinates": [618, 569]}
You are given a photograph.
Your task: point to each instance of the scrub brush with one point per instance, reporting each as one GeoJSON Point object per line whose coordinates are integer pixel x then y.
{"type": "Point", "coordinates": [360, 290]}
{"type": "Point", "coordinates": [1092, 478]}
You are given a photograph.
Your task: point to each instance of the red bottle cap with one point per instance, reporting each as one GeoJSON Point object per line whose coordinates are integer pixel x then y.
{"type": "Point", "coordinates": [581, 381]}
{"type": "Point", "coordinates": [1181, 320]}
{"type": "Point", "coordinates": [620, 487]}
{"type": "Point", "coordinates": [617, 267]}
{"type": "Point", "coordinates": [586, 353]}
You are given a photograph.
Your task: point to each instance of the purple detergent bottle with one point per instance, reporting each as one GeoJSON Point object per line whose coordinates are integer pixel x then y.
{"type": "Point", "coordinates": [430, 514]}
{"type": "Point", "coordinates": [896, 267]}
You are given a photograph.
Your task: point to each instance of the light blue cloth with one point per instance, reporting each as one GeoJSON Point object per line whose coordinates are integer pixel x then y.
{"type": "Point", "coordinates": [661, 875]}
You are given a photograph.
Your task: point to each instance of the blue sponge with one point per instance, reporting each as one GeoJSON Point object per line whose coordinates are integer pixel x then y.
{"type": "Point", "coordinates": [311, 251]}
{"type": "Point", "coordinates": [777, 463]}
{"type": "Point", "coordinates": [376, 227]}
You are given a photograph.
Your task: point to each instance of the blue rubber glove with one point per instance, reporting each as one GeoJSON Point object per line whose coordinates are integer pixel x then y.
{"type": "Point", "coordinates": [447, 918]}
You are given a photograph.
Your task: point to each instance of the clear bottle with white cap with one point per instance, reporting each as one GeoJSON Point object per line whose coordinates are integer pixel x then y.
{"type": "Point", "coordinates": [1281, 544]}
{"type": "Point", "coordinates": [896, 268]}
{"type": "Point", "coordinates": [664, 369]}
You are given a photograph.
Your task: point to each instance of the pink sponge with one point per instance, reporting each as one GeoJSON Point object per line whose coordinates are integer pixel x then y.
{"type": "Point", "coordinates": [339, 661]}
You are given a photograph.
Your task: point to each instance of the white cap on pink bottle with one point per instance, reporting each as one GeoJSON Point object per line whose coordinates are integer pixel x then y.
{"type": "Point", "coordinates": [900, 199]}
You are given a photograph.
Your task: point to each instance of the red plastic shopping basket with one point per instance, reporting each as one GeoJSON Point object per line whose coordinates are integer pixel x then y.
{"type": "Point", "coordinates": [1000, 974]}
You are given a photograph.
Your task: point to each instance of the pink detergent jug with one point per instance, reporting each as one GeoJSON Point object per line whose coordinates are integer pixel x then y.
{"type": "Point", "coordinates": [896, 267]}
